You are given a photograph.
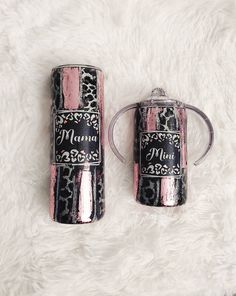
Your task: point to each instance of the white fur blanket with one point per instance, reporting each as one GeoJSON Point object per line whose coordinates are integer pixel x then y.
{"type": "Point", "coordinates": [186, 47]}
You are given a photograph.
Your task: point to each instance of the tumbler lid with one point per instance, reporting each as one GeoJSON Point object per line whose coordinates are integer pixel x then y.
{"type": "Point", "coordinates": [159, 98]}
{"type": "Point", "coordinates": [76, 66]}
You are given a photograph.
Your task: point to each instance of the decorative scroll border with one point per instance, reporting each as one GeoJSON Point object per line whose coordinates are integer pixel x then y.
{"type": "Point", "coordinates": [99, 138]}
{"type": "Point", "coordinates": [140, 159]}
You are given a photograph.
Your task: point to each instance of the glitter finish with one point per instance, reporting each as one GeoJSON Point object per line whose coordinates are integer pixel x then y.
{"type": "Point", "coordinates": [160, 148]}
{"type": "Point", "coordinates": [77, 141]}
{"type": "Point", "coordinates": [160, 162]}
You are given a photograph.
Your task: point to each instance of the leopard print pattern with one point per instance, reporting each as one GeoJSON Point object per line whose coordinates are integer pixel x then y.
{"type": "Point", "coordinates": [56, 90]}
{"type": "Point", "coordinates": [89, 89]}
{"type": "Point", "coordinates": [149, 188]}
{"type": "Point", "coordinates": [65, 210]}
{"type": "Point", "coordinates": [68, 177]}
{"type": "Point", "coordinates": [168, 119]}
{"type": "Point", "coordinates": [100, 202]}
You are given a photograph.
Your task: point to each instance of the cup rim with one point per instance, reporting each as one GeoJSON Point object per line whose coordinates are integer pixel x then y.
{"type": "Point", "coordinates": [76, 66]}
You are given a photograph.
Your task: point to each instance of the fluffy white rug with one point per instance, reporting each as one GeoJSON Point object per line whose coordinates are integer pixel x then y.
{"type": "Point", "coordinates": [187, 47]}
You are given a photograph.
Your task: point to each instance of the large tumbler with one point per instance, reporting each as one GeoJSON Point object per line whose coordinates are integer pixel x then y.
{"type": "Point", "coordinates": [160, 149]}
{"type": "Point", "coordinates": [77, 139]}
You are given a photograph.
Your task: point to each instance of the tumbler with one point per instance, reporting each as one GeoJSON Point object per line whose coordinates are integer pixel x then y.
{"type": "Point", "coordinates": [77, 140]}
{"type": "Point", "coordinates": [160, 149]}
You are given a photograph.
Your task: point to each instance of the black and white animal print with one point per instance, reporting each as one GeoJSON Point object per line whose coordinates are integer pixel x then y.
{"type": "Point", "coordinates": [68, 176]}
{"type": "Point", "coordinates": [149, 188]}
{"type": "Point", "coordinates": [89, 89]}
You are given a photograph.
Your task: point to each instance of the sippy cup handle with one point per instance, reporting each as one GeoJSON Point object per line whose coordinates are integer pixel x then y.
{"type": "Point", "coordinates": [210, 130]}
{"type": "Point", "coordinates": [111, 130]}
{"type": "Point", "coordinates": [135, 105]}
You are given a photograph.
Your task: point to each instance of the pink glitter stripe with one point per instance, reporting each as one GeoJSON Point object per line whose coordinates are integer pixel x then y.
{"type": "Point", "coordinates": [71, 88]}
{"type": "Point", "coordinates": [53, 172]}
{"type": "Point", "coordinates": [168, 192]}
{"type": "Point", "coordinates": [151, 119]}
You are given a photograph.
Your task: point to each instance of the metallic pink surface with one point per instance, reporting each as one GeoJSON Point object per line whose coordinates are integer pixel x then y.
{"type": "Point", "coordinates": [71, 88]}
{"type": "Point", "coordinates": [168, 191]}
{"type": "Point", "coordinates": [53, 172]}
{"type": "Point", "coordinates": [151, 119]}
